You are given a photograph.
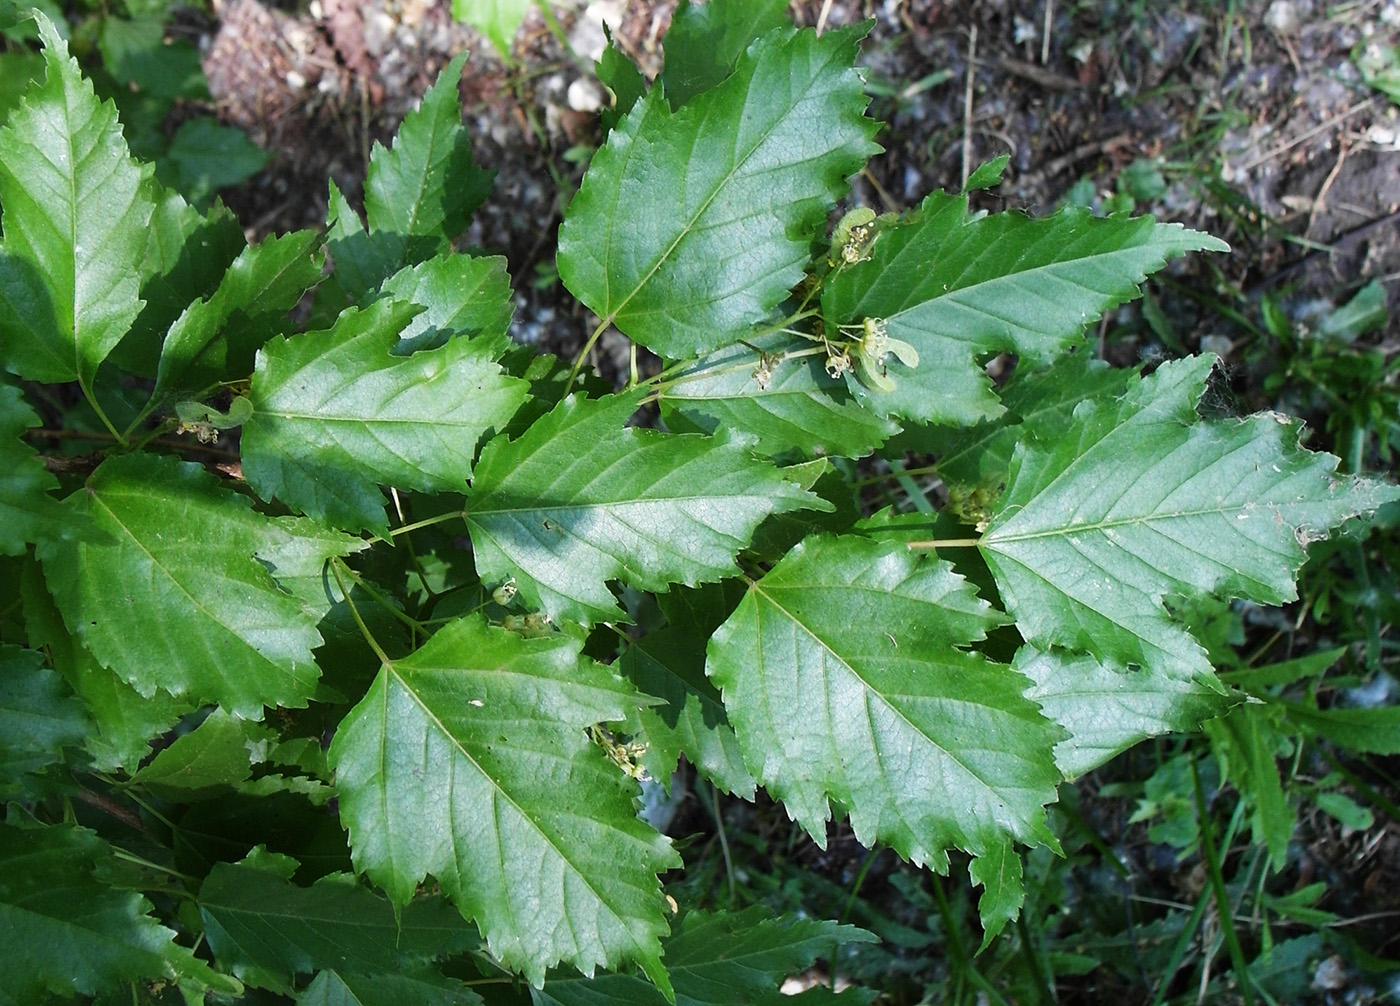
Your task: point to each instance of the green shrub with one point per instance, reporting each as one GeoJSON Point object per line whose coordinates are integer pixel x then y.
{"type": "Point", "coordinates": [224, 644]}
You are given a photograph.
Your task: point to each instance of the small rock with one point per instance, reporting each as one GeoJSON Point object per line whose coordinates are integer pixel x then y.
{"type": "Point", "coordinates": [585, 95]}
{"type": "Point", "coordinates": [1331, 974]}
{"type": "Point", "coordinates": [1282, 16]}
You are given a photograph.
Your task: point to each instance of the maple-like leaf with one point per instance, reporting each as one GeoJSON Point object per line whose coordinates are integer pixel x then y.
{"type": "Point", "coordinates": [337, 413]}
{"type": "Point", "coordinates": [215, 340]}
{"type": "Point", "coordinates": [846, 674]}
{"type": "Point", "coordinates": [468, 760]}
{"type": "Point", "coordinates": [959, 288]}
{"type": "Point", "coordinates": [187, 254]}
{"type": "Point", "coordinates": [174, 598]}
{"type": "Point", "coordinates": [692, 225]}
{"type": "Point", "coordinates": [1140, 501]}
{"type": "Point", "coordinates": [580, 499]}
{"type": "Point", "coordinates": [421, 191]}
{"type": "Point", "coordinates": [669, 664]}
{"type": "Point", "coordinates": [75, 211]}
{"type": "Point", "coordinates": [1109, 709]}
{"type": "Point", "coordinates": [716, 959]}
{"type": "Point", "coordinates": [462, 296]}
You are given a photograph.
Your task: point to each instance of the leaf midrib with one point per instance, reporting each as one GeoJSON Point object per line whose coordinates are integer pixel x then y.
{"type": "Point", "coordinates": [689, 226]}
{"type": "Point", "coordinates": [992, 538]}
{"type": "Point", "coordinates": [496, 787]}
{"type": "Point", "coordinates": [757, 588]}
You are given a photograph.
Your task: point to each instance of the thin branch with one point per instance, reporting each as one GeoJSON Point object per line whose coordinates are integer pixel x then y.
{"type": "Point", "coordinates": [937, 543]}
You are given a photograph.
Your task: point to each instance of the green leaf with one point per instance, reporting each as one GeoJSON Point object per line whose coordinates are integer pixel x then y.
{"type": "Point", "coordinates": [1108, 709]}
{"type": "Point", "coordinates": [176, 600]}
{"type": "Point", "coordinates": [422, 988]}
{"type": "Point", "coordinates": [987, 175]}
{"type": "Point", "coordinates": [136, 53]}
{"type": "Point", "coordinates": [722, 198]}
{"type": "Point", "coordinates": [27, 512]}
{"type": "Point", "coordinates": [1245, 743]}
{"type": "Point", "coordinates": [296, 550]}
{"type": "Point", "coordinates": [336, 413]}
{"type": "Point", "coordinates": [715, 959]}
{"type": "Point", "coordinates": [1369, 731]}
{"type": "Point", "coordinates": [421, 192]}
{"type": "Point", "coordinates": [204, 157]}
{"type": "Point", "coordinates": [462, 297]}
{"type": "Point", "coordinates": [619, 75]}
{"type": "Point", "coordinates": [37, 718]}
{"type": "Point", "coordinates": [669, 664]}
{"type": "Point", "coordinates": [468, 760]}
{"type": "Point", "coordinates": [959, 288]}
{"type": "Point", "coordinates": [498, 20]}
{"type": "Point", "coordinates": [17, 69]}
{"type": "Point", "coordinates": [218, 754]}
{"type": "Point", "coordinates": [187, 255]}
{"type": "Point", "coordinates": [704, 42]}
{"type": "Point", "coordinates": [578, 500]}
{"type": "Point", "coordinates": [215, 340]}
{"type": "Point", "coordinates": [789, 404]}
{"type": "Point", "coordinates": [266, 929]}
{"type": "Point", "coordinates": [362, 259]}
{"type": "Point", "coordinates": [846, 677]}
{"type": "Point", "coordinates": [1139, 501]}
{"type": "Point", "coordinates": [67, 933]}
{"type": "Point", "coordinates": [75, 219]}
{"type": "Point", "coordinates": [1039, 404]}
{"type": "Point", "coordinates": [124, 722]}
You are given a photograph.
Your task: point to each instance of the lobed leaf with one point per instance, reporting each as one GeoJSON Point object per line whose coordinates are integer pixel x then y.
{"type": "Point", "coordinates": [175, 599]}
{"type": "Point", "coordinates": [1039, 405]}
{"type": "Point", "coordinates": [336, 413]}
{"type": "Point", "coordinates": [715, 959]}
{"type": "Point", "coordinates": [1140, 501]}
{"type": "Point", "coordinates": [215, 756]}
{"type": "Point", "coordinates": [68, 933]}
{"type": "Point", "coordinates": [846, 675]}
{"type": "Point", "coordinates": [215, 340]}
{"type": "Point", "coordinates": [468, 760]}
{"type": "Point", "coordinates": [797, 407]}
{"type": "Point", "coordinates": [579, 499]}
{"type": "Point", "coordinates": [420, 193]}
{"type": "Point", "coordinates": [669, 664]}
{"type": "Point", "coordinates": [958, 288]}
{"type": "Point", "coordinates": [75, 215]}
{"type": "Point", "coordinates": [722, 198]}
{"type": "Point", "coordinates": [1107, 709]}
{"type": "Point", "coordinates": [187, 255]}
{"type": "Point", "coordinates": [462, 297]}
